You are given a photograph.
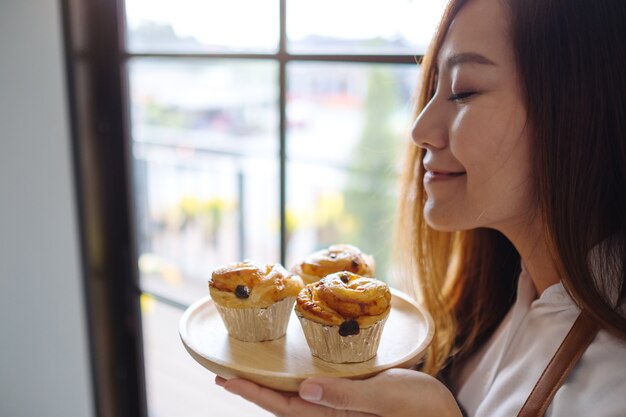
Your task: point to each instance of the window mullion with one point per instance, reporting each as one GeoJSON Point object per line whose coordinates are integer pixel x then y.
{"type": "Point", "coordinates": [282, 103]}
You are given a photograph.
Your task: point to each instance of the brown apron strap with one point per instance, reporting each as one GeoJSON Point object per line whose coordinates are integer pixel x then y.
{"type": "Point", "coordinates": [574, 345]}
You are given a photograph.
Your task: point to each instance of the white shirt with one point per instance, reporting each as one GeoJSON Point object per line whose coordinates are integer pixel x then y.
{"type": "Point", "coordinates": [498, 379]}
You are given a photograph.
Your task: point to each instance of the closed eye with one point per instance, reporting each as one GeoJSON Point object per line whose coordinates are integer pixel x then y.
{"type": "Point", "coordinates": [460, 97]}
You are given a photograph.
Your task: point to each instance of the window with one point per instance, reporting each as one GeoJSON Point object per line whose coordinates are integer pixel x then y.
{"type": "Point", "coordinates": [261, 129]}
{"type": "Point", "coordinates": [215, 178]}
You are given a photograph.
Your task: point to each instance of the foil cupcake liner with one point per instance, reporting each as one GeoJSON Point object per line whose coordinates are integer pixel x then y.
{"type": "Point", "coordinates": [327, 344]}
{"type": "Point", "coordinates": [257, 324]}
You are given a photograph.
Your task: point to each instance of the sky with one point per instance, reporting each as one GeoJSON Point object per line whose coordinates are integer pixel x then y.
{"type": "Point", "coordinates": [255, 22]}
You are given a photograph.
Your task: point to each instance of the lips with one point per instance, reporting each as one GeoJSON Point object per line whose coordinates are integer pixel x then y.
{"type": "Point", "coordinates": [438, 173]}
{"type": "Point", "coordinates": [452, 174]}
{"type": "Point", "coordinates": [438, 176]}
{"type": "Point", "coordinates": [440, 169]}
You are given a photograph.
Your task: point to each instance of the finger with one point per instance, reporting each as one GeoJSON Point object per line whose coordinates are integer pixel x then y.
{"type": "Point", "coordinates": [341, 394]}
{"type": "Point", "coordinates": [358, 395]}
{"type": "Point", "coordinates": [268, 399]}
{"type": "Point", "coordinates": [283, 404]}
{"type": "Point", "coordinates": [219, 380]}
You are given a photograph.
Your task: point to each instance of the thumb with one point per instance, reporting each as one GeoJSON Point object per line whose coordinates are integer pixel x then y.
{"type": "Point", "coordinates": [341, 394]}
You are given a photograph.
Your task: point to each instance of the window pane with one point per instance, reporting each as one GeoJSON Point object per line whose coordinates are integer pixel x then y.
{"type": "Point", "coordinates": [176, 385]}
{"type": "Point", "coordinates": [202, 25]}
{"type": "Point", "coordinates": [205, 169]}
{"type": "Point", "coordinates": [347, 125]}
{"type": "Point", "coordinates": [218, 105]}
{"type": "Point", "coordinates": [362, 26]}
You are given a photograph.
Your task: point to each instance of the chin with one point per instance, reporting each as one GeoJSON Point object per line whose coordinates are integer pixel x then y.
{"type": "Point", "coordinates": [447, 217]}
{"type": "Point", "coordinates": [440, 222]}
{"type": "Point", "coordinates": [451, 214]}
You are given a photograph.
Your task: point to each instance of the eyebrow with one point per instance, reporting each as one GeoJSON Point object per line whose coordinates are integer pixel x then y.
{"type": "Point", "coordinates": [467, 58]}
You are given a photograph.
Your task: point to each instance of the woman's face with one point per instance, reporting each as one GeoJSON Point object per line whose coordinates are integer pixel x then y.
{"type": "Point", "coordinates": [477, 152]}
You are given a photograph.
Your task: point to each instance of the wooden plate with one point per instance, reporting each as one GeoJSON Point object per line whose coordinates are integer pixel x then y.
{"type": "Point", "coordinates": [282, 364]}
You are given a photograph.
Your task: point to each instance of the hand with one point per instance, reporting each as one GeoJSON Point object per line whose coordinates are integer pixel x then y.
{"type": "Point", "coordinates": [393, 393]}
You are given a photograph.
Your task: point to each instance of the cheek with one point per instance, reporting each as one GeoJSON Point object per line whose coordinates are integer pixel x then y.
{"type": "Point", "coordinates": [493, 147]}
{"type": "Point", "coordinates": [471, 138]}
{"type": "Point", "coordinates": [486, 137]}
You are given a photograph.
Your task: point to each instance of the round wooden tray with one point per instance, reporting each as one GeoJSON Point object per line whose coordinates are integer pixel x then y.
{"type": "Point", "coordinates": [284, 363]}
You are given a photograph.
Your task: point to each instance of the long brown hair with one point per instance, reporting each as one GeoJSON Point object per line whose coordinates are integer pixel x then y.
{"type": "Point", "coordinates": [572, 69]}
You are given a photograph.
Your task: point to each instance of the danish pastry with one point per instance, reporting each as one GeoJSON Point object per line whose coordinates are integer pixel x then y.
{"type": "Point", "coordinates": [254, 300]}
{"type": "Point", "coordinates": [343, 316]}
{"type": "Point", "coordinates": [335, 258]}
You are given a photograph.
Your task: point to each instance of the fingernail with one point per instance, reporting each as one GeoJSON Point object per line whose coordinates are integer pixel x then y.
{"type": "Point", "coordinates": [311, 392]}
{"type": "Point", "coordinates": [220, 381]}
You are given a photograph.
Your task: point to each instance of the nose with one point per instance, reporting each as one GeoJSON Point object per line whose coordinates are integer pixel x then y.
{"type": "Point", "coordinates": [429, 130]}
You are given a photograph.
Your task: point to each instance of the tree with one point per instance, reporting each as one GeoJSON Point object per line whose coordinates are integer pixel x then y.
{"type": "Point", "coordinates": [369, 192]}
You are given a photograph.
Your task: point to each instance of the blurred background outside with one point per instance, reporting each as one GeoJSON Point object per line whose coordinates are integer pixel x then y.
{"type": "Point", "coordinates": [206, 147]}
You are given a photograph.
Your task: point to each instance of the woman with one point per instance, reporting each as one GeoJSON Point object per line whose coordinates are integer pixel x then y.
{"type": "Point", "coordinates": [516, 198]}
